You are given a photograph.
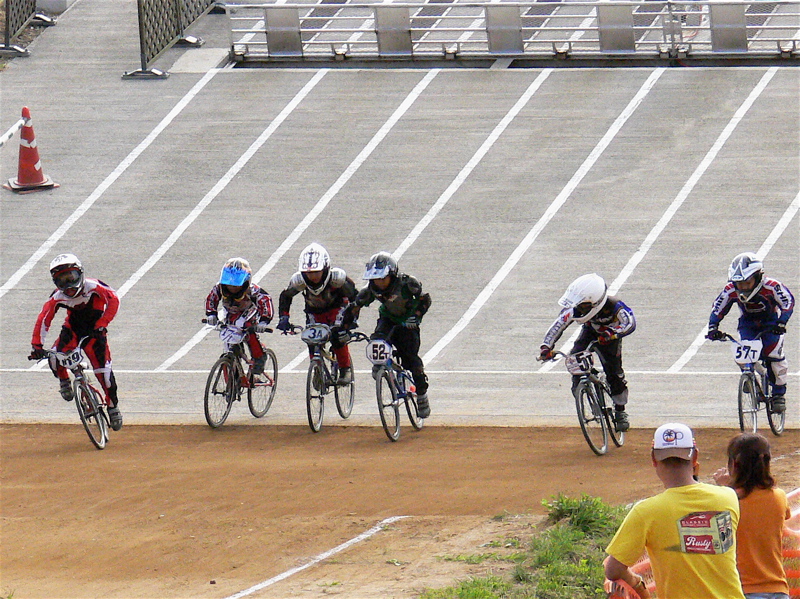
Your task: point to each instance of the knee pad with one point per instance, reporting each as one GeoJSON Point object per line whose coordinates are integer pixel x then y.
{"type": "Point", "coordinates": [779, 370]}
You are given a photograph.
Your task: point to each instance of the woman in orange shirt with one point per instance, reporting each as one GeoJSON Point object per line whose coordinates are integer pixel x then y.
{"type": "Point", "coordinates": [763, 511]}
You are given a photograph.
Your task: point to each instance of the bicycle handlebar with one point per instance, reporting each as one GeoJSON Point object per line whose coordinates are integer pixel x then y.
{"type": "Point", "coordinates": [221, 325]}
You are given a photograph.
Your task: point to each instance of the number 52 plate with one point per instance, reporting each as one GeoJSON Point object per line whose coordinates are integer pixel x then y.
{"type": "Point", "coordinates": [378, 351]}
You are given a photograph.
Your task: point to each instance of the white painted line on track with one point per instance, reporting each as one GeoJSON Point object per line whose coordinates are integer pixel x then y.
{"type": "Point", "coordinates": [551, 211]}
{"type": "Point", "coordinates": [456, 183]}
{"type": "Point", "coordinates": [211, 195]}
{"type": "Point", "coordinates": [687, 188]}
{"type": "Point", "coordinates": [321, 557]}
{"type": "Point", "coordinates": [470, 166]}
{"type": "Point", "coordinates": [784, 221]}
{"type": "Point", "coordinates": [222, 183]}
{"type": "Point", "coordinates": [321, 204]}
{"type": "Point", "coordinates": [107, 182]}
{"type": "Point", "coordinates": [442, 372]}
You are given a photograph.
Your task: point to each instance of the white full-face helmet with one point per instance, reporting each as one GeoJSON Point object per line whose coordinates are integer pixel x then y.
{"type": "Point", "coordinates": [746, 272]}
{"type": "Point", "coordinates": [315, 259]}
{"type": "Point", "coordinates": [586, 296]}
{"type": "Point", "coordinates": [67, 273]}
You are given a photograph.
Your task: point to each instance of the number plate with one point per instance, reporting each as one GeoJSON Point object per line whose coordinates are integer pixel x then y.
{"type": "Point", "coordinates": [579, 363]}
{"type": "Point", "coordinates": [71, 359]}
{"type": "Point", "coordinates": [316, 334]}
{"type": "Point", "coordinates": [379, 352]}
{"type": "Point", "coordinates": [232, 335]}
{"type": "Point", "coordinates": [747, 351]}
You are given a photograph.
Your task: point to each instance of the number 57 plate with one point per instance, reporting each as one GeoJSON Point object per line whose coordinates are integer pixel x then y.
{"type": "Point", "coordinates": [747, 351]}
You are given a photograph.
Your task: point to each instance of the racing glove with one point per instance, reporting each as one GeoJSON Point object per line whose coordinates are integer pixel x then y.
{"type": "Point", "coordinates": [778, 329]}
{"type": "Point", "coordinates": [38, 352]}
{"type": "Point", "coordinates": [342, 335]}
{"type": "Point", "coordinates": [283, 323]}
{"type": "Point", "coordinates": [100, 332]}
{"type": "Point", "coordinates": [545, 353]}
{"type": "Point", "coordinates": [412, 322]}
{"type": "Point", "coordinates": [606, 339]}
{"type": "Point", "coordinates": [261, 327]}
{"type": "Point", "coordinates": [714, 334]}
{"type": "Point", "coordinates": [212, 320]}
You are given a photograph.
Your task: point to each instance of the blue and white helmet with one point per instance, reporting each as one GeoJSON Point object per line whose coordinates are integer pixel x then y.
{"type": "Point", "coordinates": [744, 267]}
{"type": "Point", "coordinates": [586, 296]}
{"type": "Point", "coordinates": [234, 280]}
{"type": "Point", "coordinates": [315, 258]}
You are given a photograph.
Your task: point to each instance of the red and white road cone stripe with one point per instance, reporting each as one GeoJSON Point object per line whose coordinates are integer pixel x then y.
{"type": "Point", "coordinates": [29, 175]}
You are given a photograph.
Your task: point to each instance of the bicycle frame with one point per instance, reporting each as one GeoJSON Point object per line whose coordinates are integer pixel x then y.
{"type": "Point", "coordinates": [235, 368]}
{"type": "Point", "coordinates": [89, 401]}
{"type": "Point", "coordinates": [590, 400]}
{"type": "Point", "coordinates": [323, 374]}
{"type": "Point", "coordinates": [400, 385]}
{"type": "Point", "coordinates": [755, 387]}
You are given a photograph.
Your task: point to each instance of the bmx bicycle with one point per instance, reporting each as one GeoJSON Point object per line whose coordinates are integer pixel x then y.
{"type": "Point", "coordinates": [394, 386]}
{"type": "Point", "coordinates": [232, 374]}
{"type": "Point", "coordinates": [89, 401]}
{"type": "Point", "coordinates": [755, 389]}
{"type": "Point", "coordinates": [592, 401]}
{"type": "Point", "coordinates": [323, 374]}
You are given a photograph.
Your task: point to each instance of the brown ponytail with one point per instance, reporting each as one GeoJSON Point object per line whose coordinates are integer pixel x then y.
{"type": "Point", "coordinates": [749, 454]}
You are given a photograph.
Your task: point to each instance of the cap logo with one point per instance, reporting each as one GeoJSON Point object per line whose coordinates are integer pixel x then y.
{"type": "Point", "coordinates": [671, 436]}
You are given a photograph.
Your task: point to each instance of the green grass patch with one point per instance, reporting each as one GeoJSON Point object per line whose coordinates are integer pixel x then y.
{"type": "Point", "coordinates": [563, 561]}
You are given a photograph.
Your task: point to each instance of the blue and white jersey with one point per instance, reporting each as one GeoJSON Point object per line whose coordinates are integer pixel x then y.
{"type": "Point", "coordinates": [614, 319]}
{"type": "Point", "coordinates": [772, 304]}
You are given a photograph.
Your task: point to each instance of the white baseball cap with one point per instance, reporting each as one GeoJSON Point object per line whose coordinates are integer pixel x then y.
{"type": "Point", "coordinates": [673, 440]}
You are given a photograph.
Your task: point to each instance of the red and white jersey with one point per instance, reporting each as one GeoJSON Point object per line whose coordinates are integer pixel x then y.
{"type": "Point", "coordinates": [255, 297]}
{"type": "Point", "coordinates": [94, 307]}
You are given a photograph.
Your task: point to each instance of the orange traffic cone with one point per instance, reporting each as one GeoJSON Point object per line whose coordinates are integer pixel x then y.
{"type": "Point", "coordinates": [30, 177]}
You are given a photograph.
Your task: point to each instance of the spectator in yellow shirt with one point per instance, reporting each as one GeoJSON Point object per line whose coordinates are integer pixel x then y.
{"type": "Point", "coordinates": [688, 530]}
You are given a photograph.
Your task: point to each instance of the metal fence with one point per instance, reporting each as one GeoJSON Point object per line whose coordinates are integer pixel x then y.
{"type": "Point", "coordinates": [598, 29]}
{"type": "Point", "coordinates": [19, 14]}
{"type": "Point", "coordinates": [162, 24]}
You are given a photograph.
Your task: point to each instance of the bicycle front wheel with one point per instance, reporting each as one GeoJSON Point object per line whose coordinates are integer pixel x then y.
{"type": "Point", "coordinates": [262, 386]}
{"type": "Point", "coordinates": [748, 403]}
{"type": "Point", "coordinates": [777, 420]}
{"type": "Point", "coordinates": [88, 402]}
{"type": "Point", "coordinates": [220, 391]}
{"type": "Point", "coordinates": [315, 394]}
{"type": "Point", "coordinates": [345, 398]}
{"type": "Point", "coordinates": [387, 404]}
{"type": "Point", "coordinates": [606, 404]}
{"type": "Point", "coordinates": [591, 419]}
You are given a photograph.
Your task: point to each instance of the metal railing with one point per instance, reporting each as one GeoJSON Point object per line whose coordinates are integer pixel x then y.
{"type": "Point", "coordinates": [600, 29]}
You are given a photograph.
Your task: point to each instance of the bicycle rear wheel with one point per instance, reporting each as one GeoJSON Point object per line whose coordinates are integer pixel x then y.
{"type": "Point", "coordinates": [591, 419]}
{"type": "Point", "coordinates": [607, 406]}
{"type": "Point", "coordinates": [220, 391]}
{"type": "Point", "coordinates": [315, 394]}
{"type": "Point", "coordinates": [776, 420]}
{"type": "Point", "coordinates": [748, 403]}
{"type": "Point", "coordinates": [411, 404]}
{"type": "Point", "coordinates": [345, 398]}
{"type": "Point", "coordinates": [88, 402]}
{"type": "Point", "coordinates": [387, 404]}
{"type": "Point", "coordinates": [262, 386]}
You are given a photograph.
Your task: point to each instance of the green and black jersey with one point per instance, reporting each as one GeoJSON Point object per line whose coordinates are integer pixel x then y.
{"type": "Point", "coordinates": [404, 298]}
